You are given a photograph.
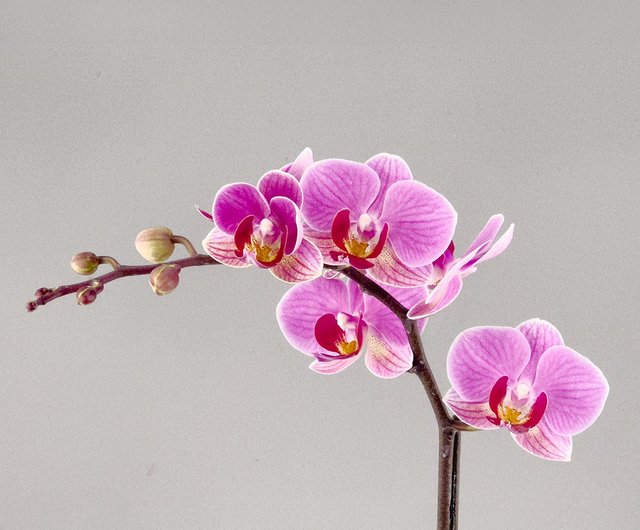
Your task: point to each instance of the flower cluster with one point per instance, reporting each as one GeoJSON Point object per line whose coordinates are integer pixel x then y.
{"type": "Point", "coordinates": [310, 219]}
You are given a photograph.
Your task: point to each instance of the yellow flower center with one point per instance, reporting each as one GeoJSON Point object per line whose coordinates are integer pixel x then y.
{"type": "Point", "coordinates": [512, 416]}
{"type": "Point", "coordinates": [347, 348]}
{"type": "Point", "coordinates": [264, 253]}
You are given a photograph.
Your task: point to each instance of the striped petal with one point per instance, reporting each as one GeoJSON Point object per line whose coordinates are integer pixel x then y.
{"type": "Point", "coordinates": [222, 247]}
{"type": "Point", "coordinates": [543, 442]}
{"type": "Point", "coordinates": [472, 413]}
{"type": "Point", "coordinates": [388, 269]}
{"type": "Point", "coordinates": [303, 265]}
{"type": "Point", "coordinates": [384, 359]}
{"type": "Point", "coordinates": [390, 169]}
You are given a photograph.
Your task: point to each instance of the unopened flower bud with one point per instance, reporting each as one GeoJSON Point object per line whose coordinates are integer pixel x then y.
{"type": "Point", "coordinates": [31, 306]}
{"type": "Point", "coordinates": [85, 263]}
{"type": "Point", "coordinates": [88, 294]}
{"type": "Point", "coordinates": [164, 279]}
{"type": "Point", "coordinates": [155, 244]}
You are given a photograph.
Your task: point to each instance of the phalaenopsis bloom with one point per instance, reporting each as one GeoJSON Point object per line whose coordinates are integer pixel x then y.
{"type": "Point", "coordinates": [374, 216]}
{"type": "Point", "coordinates": [448, 272]}
{"type": "Point", "coordinates": [263, 226]}
{"type": "Point", "coordinates": [527, 381]}
{"type": "Point", "coordinates": [332, 321]}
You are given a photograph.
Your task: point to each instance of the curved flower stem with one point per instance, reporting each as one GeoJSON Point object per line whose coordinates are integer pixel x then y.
{"type": "Point", "coordinates": [449, 426]}
{"type": "Point", "coordinates": [45, 295]}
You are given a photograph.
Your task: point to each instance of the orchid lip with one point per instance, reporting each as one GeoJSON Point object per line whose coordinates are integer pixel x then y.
{"type": "Point", "coordinates": [266, 253]}
{"type": "Point", "coordinates": [517, 417]}
{"type": "Point", "coordinates": [356, 245]}
{"type": "Point", "coordinates": [341, 334]}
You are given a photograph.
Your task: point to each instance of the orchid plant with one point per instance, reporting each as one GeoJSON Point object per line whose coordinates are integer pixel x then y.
{"type": "Point", "coordinates": [371, 255]}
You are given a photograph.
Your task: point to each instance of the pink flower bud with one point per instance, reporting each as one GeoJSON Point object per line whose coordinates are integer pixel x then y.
{"type": "Point", "coordinates": [88, 294]}
{"type": "Point", "coordinates": [155, 244]}
{"type": "Point", "coordinates": [164, 279]}
{"type": "Point", "coordinates": [85, 263]}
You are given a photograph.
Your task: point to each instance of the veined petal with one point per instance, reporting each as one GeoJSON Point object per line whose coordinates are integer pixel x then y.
{"type": "Point", "coordinates": [540, 335]}
{"type": "Point", "coordinates": [287, 214]}
{"type": "Point", "coordinates": [390, 169]}
{"type": "Point", "coordinates": [280, 184]}
{"type": "Point", "coordinates": [236, 201]}
{"type": "Point", "coordinates": [387, 323]}
{"type": "Point", "coordinates": [442, 295]}
{"type": "Point", "coordinates": [576, 389]}
{"type": "Point", "coordinates": [332, 367]}
{"type": "Point", "coordinates": [499, 246]}
{"type": "Point", "coordinates": [421, 222]}
{"type": "Point", "coordinates": [543, 442]}
{"type": "Point", "coordinates": [488, 232]}
{"type": "Point", "coordinates": [222, 247]}
{"type": "Point", "coordinates": [298, 166]}
{"type": "Point", "coordinates": [302, 265]}
{"type": "Point", "coordinates": [301, 307]}
{"type": "Point", "coordinates": [480, 356]}
{"type": "Point", "coordinates": [386, 360]}
{"type": "Point", "coordinates": [472, 413]}
{"type": "Point", "coordinates": [323, 241]}
{"type": "Point", "coordinates": [332, 185]}
{"type": "Point", "coordinates": [388, 269]}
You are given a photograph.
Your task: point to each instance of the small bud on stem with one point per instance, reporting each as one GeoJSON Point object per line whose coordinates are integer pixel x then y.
{"type": "Point", "coordinates": [164, 279]}
{"type": "Point", "coordinates": [88, 294]}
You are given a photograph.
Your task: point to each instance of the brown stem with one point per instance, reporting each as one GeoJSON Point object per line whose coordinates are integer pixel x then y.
{"type": "Point", "coordinates": [45, 295]}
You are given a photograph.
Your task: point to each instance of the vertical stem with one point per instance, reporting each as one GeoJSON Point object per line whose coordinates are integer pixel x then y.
{"type": "Point", "coordinates": [448, 473]}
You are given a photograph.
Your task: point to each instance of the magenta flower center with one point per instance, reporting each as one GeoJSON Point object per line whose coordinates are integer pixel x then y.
{"type": "Point", "coordinates": [265, 240]}
{"type": "Point", "coordinates": [515, 406]}
{"type": "Point", "coordinates": [359, 240]}
{"type": "Point", "coordinates": [341, 333]}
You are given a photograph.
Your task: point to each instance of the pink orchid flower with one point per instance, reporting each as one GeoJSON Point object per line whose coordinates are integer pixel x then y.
{"type": "Point", "coordinates": [448, 272]}
{"type": "Point", "coordinates": [375, 216]}
{"type": "Point", "coordinates": [333, 322]}
{"type": "Point", "coordinates": [527, 381]}
{"type": "Point", "coordinates": [263, 226]}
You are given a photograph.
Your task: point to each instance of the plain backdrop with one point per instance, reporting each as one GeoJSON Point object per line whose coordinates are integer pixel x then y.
{"type": "Point", "coordinates": [191, 410]}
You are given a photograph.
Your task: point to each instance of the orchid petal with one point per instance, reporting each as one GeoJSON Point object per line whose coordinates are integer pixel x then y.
{"type": "Point", "coordinates": [204, 213]}
{"type": "Point", "coordinates": [222, 247]}
{"type": "Point", "coordinates": [389, 270]}
{"type": "Point", "coordinates": [332, 185]}
{"type": "Point", "coordinates": [332, 367]}
{"type": "Point", "coordinates": [386, 360]}
{"type": "Point", "coordinates": [472, 413]}
{"type": "Point", "coordinates": [304, 304]}
{"type": "Point", "coordinates": [421, 222]}
{"type": "Point", "coordinates": [287, 214]}
{"type": "Point", "coordinates": [540, 335]}
{"type": "Point", "coordinates": [488, 232]}
{"type": "Point", "coordinates": [385, 321]}
{"type": "Point", "coordinates": [442, 296]}
{"type": "Point", "coordinates": [390, 169]}
{"type": "Point", "coordinates": [298, 166]}
{"type": "Point", "coordinates": [280, 184]}
{"type": "Point", "coordinates": [236, 201]}
{"type": "Point", "coordinates": [542, 441]}
{"type": "Point", "coordinates": [499, 246]}
{"type": "Point", "coordinates": [576, 389]}
{"type": "Point", "coordinates": [302, 265]}
{"type": "Point", "coordinates": [479, 356]}
{"type": "Point", "coordinates": [324, 242]}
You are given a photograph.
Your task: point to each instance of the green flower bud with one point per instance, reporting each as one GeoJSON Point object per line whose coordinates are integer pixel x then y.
{"type": "Point", "coordinates": [155, 244]}
{"type": "Point", "coordinates": [164, 279]}
{"type": "Point", "coordinates": [85, 263]}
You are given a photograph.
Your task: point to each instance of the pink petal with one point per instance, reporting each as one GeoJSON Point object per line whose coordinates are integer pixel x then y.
{"type": "Point", "coordinates": [499, 246]}
{"type": "Point", "coordinates": [421, 222]}
{"type": "Point", "coordinates": [303, 265]}
{"type": "Point", "coordinates": [442, 295]}
{"type": "Point", "coordinates": [387, 323]}
{"type": "Point", "coordinates": [333, 367]}
{"type": "Point", "coordinates": [234, 202]}
{"type": "Point", "coordinates": [488, 233]}
{"type": "Point", "coordinates": [386, 360]}
{"type": "Point", "coordinates": [472, 413]}
{"type": "Point", "coordinates": [287, 214]}
{"type": "Point", "coordinates": [543, 442]}
{"type": "Point", "coordinates": [389, 270]}
{"type": "Point", "coordinates": [541, 336]}
{"type": "Point", "coordinates": [390, 169]}
{"type": "Point", "coordinates": [298, 166]}
{"type": "Point", "coordinates": [323, 241]}
{"type": "Point", "coordinates": [480, 356]}
{"type": "Point", "coordinates": [356, 298]}
{"type": "Point", "coordinates": [222, 247]}
{"type": "Point", "coordinates": [204, 213]}
{"type": "Point", "coordinates": [576, 389]}
{"type": "Point", "coordinates": [304, 304]}
{"type": "Point", "coordinates": [332, 185]}
{"type": "Point", "coordinates": [280, 184]}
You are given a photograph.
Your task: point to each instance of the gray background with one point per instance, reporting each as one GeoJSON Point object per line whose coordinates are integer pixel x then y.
{"type": "Point", "coordinates": [192, 411]}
